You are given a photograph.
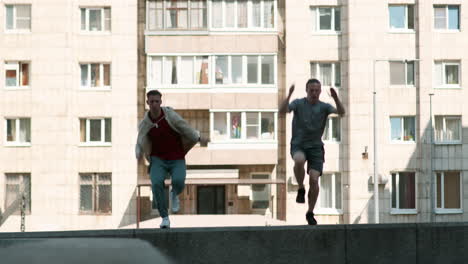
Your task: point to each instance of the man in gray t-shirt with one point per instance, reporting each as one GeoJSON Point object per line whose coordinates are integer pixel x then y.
{"type": "Point", "coordinates": [310, 117]}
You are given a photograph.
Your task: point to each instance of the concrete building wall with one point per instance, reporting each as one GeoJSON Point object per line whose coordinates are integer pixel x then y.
{"type": "Point", "coordinates": [55, 47]}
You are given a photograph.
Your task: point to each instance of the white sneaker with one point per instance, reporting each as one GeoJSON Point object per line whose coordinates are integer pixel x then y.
{"type": "Point", "coordinates": [175, 203]}
{"type": "Point", "coordinates": [165, 223]}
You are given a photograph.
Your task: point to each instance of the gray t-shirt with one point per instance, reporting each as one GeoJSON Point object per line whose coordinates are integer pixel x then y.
{"type": "Point", "coordinates": [309, 122]}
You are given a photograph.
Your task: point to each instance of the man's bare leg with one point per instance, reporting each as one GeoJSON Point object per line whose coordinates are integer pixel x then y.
{"type": "Point", "coordinates": [314, 189]}
{"type": "Point", "coordinates": [299, 172]}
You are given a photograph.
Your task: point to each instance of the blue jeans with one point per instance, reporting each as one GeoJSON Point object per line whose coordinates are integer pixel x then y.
{"type": "Point", "coordinates": [158, 170]}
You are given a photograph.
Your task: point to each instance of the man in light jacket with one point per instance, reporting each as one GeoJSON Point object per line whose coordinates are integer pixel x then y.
{"type": "Point", "coordinates": [164, 138]}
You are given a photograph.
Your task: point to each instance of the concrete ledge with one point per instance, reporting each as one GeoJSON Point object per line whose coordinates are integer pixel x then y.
{"type": "Point", "coordinates": [385, 243]}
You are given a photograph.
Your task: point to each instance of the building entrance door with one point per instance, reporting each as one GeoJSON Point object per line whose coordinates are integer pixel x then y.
{"type": "Point", "coordinates": [211, 200]}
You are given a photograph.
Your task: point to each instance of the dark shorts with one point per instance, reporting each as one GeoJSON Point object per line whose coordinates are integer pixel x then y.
{"type": "Point", "coordinates": [315, 157]}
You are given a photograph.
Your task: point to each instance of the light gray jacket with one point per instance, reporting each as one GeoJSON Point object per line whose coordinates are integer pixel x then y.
{"type": "Point", "coordinates": [189, 136]}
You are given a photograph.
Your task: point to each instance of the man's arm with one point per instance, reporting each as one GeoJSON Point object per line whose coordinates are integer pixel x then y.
{"type": "Point", "coordinates": [339, 106]}
{"type": "Point", "coordinates": [284, 105]}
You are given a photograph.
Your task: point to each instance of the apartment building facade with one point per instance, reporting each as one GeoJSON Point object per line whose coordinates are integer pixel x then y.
{"type": "Point", "coordinates": [411, 54]}
{"type": "Point", "coordinates": [73, 89]}
{"type": "Point", "coordinates": [68, 115]}
{"type": "Point", "coordinates": [219, 64]}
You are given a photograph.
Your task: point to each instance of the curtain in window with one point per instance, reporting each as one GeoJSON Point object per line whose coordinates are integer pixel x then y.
{"type": "Point", "coordinates": [24, 74]}
{"type": "Point", "coordinates": [95, 75]}
{"type": "Point", "coordinates": [107, 19]}
{"type": "Point", "coordinates": [201, 66]}
{"type": "Point", "coordinates": [230, 16]}
{"type": "Point", "coordinates": [220, 124]}
{"type": "Point", "coordinates": [268, 70]}
{"type": "Point", "coordinates": [325, 18]}
{"type": "Point", "coordinates": [256, 13]}
{"type": "Point", "coordinates": [252, 69]}
{"type": "Point", "coordinates": [95, 130]}
{"type": "Point", "coordinates": [252, 125]}
{"type": "Point", "coordinates": [86, 192]}
{"type": "Point", "coordinates": [12, 191]}
{"type": "Point", "coordinates": [11, 130]}
{"type": "Point", "coordinates": [326, 74]}
{"type": "Point", "coordinates": [11, 77]}
{"type": "Point", "coordinates": [451, 74]}
{"type": "Point", "coordinates": [440, 18]}
{"type": "Point", "coordinates": [326, 192]}
{"type": "Point", "coordinates": [217, 13]}
{"type": "Point", "coordinates": [95, 20]}
{"type": "Point", "coordinates": [236, 62]}
{"type": "Point", "coordinates": [242, 13]}
{"type": "Point", "coordinates": [409, 129]}
{"type": "Point", "coordinates": [25, 130]}
{"type": "Point", "coordinates": [186, 70]}
{"type": "Point", "coordinates": [82, 130]}
{"type": "Point", "coordinates": [108, 129]}
{"type": "Point", "coordinates": [198, 14]}
{"type": "Point", "coordinates": [23, 16]}
{"type": "Point", "coordinates": [268, 126]}
{"type": "Point", "coordinates": [269, 13]}
{"type": "Point", "coordinates": [452, 129]}
{"type": "Point", "coordinates": [221, 70]}
{"type": "Point", "coordinates": [107, 74]}
{"type": "Point", "coordinates": [439, 129]}
{"type": "Point", "coordinates": [397, 73]}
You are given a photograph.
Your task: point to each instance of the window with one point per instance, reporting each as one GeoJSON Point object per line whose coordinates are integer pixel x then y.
{"type": "Point", "coordinates": [326, 19]}
{"type": "Point", "coordinates": [329, 73]}
{"type": "Point", "coordinates": [18, 17]}
{"type": "Point", "coordinates": [447, 17]}
{"type": "Point", "coordinates": [332, 130]}
{"type": "Point", "coordinates": [403, 191]}
{"type": "Point", "coordinates": [402, 73]}
{"type": "Point", "coordinates": [18, 131]}
{"type": "Point", "coordinates": [177, 14]}
{"type": "Point", "coordinates": [243, 14]}
{"type": "Point", "coordinates": [251, 126]}
{"type": "Point", "coordinates": [401, 17]}
{"type": "Point", "coordinates": [95, 193]}
{"type": "Point", "coordinates": [447, 129]}
{"type": "Point", "coordinates": [17, 184]}
{"type": "Point", "coordinates": [448, 191]}
{"type": "Point", "coordinates": [96, 131]}
{"type": "Point", "coordinates": [260, 193]}
{"type": "Point", "coordinates": [16, 74]}
{"type": "Point", "coordinates": [447, 74]}
{"type": "Point", "coordinates": [226, 70]}
{"type": "Point", "coordinates": [403, 128]}
{"type": "Point", "coordinates": [96, 19]}
{"type": "Point", "coordinates": [95, 76]}
{"type": "Point", "coordinates": [330, 192]}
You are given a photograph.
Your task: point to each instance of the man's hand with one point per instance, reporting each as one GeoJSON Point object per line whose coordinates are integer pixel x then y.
{"type": "Point", "coordinates": [291, 89]}
{"type": "Point", "coordinates": [333, 93]}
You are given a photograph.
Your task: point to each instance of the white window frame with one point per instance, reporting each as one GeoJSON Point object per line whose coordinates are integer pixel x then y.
{"type": "Point", "coordinates": [94, 194]}
{"type": "Point", "coordinates": [446, 29]}
{"type": "Point", "coordinates": [405, 29]}
{"type": "Point", "coordinates": [444, 64]}
{"type": "Point", "coordinates": [178, 30]}
{"type": "Point", "coordinates": [17, 132]}
{"type": "Point", "coordinates": [249, 27]}
{"type": "Point", "coordinates": [233, 142]}
{"type": "Point", "coordinates": [316, 24]}
{"type": "Point", "coordinates": [16, 66]}
{"type": "Point", "coordinates": [318, 72]}
{"type": "Point", "coordinates": [333, 210]}
{"type": "Point", "coordinates": [102, 142]}
{"type": "Point", "coordinates": [397, 188]}
{"type": "Point", "coordinates": [269, 192]}
{"type": "Point", "coordinates": [442, 210]}
{"type": "Point", "coordinates": [21, 175]}
{"type": "Point", "coordinates": [402, 123]}
{"type": "Point", "coordinates": [15, 29]}
{"type": "Point", "coordinates": [244, 86]}
{"type": "Point", "coordinates": [330, 130]}
{"type": "Point", "coordinates": [103, 20]}
{"type": "Point", "coordinates": [101, 75]}
{"type": "Point", "coordinates": [405, 62]}
{"type": "Point", "coordinates": [444, 122]}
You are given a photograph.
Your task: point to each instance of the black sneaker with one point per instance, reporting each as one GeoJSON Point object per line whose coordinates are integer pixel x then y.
{"type": "Point", "coordinates": [300, 198]}
{"type": "Point", "coordinates": [310, 218]}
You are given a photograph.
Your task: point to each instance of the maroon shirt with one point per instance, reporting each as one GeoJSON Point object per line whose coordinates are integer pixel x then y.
{"type": "Point", "coordinates": [166, 143]}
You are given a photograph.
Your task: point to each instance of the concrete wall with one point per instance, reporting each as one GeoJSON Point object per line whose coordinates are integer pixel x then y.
{"type": "Point", "coordinates": [340, 244]}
